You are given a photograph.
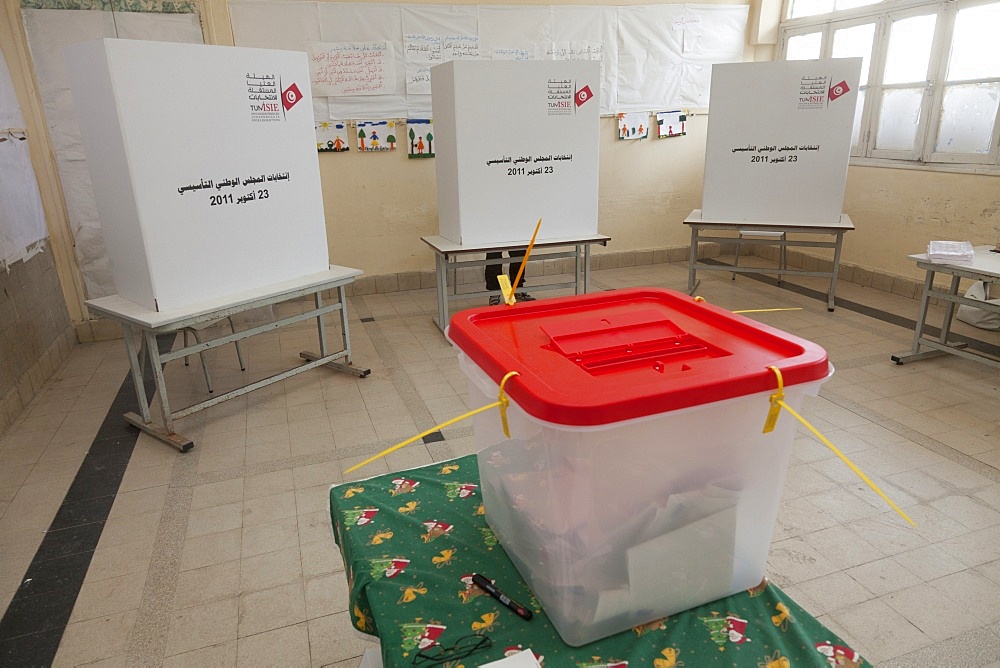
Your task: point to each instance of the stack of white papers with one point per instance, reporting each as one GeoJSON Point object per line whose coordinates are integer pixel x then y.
{"type": "Point", "coordinates": [951, 252]}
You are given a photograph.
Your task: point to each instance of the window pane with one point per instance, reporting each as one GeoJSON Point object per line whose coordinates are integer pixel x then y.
{"type": "Point", "coordinates": [897, 123]}
{"type": "Point", "coordinates": [804, 47]}
{"type": "Point", "coordinates": [848, 4]}
{"type": "Point", "coordinates": [909, 49]}
{"type": "Point", "coordinates": [856, 132]}
{"type": "Point", "coordinates": [975, 48]}
{"type": "Point", "coordinates": [855, 41]}
{"type": "Point", "coordinates": [967, 116]}
{"type": "Point", "coordinates": [809, 7]}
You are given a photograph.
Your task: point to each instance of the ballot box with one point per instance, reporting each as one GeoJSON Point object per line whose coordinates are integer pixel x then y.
{"type": "Point", "coordinates": [636, 480]}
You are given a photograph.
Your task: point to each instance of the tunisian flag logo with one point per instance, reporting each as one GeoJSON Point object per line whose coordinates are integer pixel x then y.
{"type": "Point", "coordinates": [583, 95]}
{"type": "Point", "coordinates": [290, 96]}
{"type": "Point", "coordinates": [837, 90]}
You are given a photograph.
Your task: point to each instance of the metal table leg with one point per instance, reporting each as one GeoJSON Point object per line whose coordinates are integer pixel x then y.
{"type": "Point", "coordinates": [949, 309]}
{"type": "Point", "coordinates": [441, 269]}
{"type": "Point", "coordinates": [918, 335]}
{"type": "Point", "coordinates": [144, 422]}
{"type": "Point", "coordinates": [323, 351]}
{"type": "Point", "coordinates": [693, 259]}
{"type": "Point", "coordinates": [833, 272]}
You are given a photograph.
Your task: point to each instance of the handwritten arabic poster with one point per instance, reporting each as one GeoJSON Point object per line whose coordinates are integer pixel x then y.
{"type": "Point", "coordinates": [422, 52]}
{"type": "Point", "coordinates": [518, 141]}
{"type": "Point", "coordinates": [332, 136]}
{"type": "Point", "coordinates": [246, 176]}
{"type": "Point", "coordinates": [352, 68]}
{"type": "Point", "coordinates": [376, 136]}
{"type": "Point", "coordinates": [779, 140]}
{"type": "Point", "coordinates": [633, 125]}
{"type": "Point", "coordinates": [420, 133]}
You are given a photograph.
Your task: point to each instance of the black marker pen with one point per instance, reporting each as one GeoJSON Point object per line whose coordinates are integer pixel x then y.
{"type": "Point", "coordinates": [490, 589]}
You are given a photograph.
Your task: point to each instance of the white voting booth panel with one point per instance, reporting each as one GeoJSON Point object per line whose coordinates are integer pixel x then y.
{"type": "Point", "coordinates": [204, 166]}
{"type": "Point", "coordinates": [516, 141]}
{"type": "Point", "coordinates": [779, 140]}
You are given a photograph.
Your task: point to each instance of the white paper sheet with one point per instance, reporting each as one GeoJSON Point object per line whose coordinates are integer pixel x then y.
{"type": "Point", "coordinates": [523, 659]}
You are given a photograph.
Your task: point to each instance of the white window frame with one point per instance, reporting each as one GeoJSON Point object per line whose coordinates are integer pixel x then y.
{"type": "Point", "coordinates": [922, 155]}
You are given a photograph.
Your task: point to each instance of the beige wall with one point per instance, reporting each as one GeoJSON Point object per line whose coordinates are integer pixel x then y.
{"type": "Point", "coordinates": [897, 211]}
{"type": "Point", "coordinates": [378, 206]}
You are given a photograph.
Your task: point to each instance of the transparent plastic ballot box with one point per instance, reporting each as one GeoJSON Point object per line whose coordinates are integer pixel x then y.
{"type": "Point", "coordinates": [636, 481]}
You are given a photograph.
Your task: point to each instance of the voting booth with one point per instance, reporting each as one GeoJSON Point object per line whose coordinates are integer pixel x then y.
{"type": "Point", "coordinates": [204, 166]}
{"type": "Point", "coordinates": [636, 481]}
{"type": "Point", "coordinates": [516, 141]}
{"type": "Point", "coordinates": [779, 140]}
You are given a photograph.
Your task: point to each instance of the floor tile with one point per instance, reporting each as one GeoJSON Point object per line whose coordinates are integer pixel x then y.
{"type": "Point", "coordinates": [204, 585]}
{"type": "Point", "coordinates": [270, 569]}
{"type": "Point", "coordinates": [202, 626]}
{"type": "Point", "coordinates": [936, 616]}
{"type": "Point", "coordinates": [285, 646]}
{"type": "Point", "coordinates": [99, 598]}
{"type": "Point", "coordinates": [271, 609]}
{"type": "Point", "coordinates": [89, 641]}
{"type": "Point", "coordinates": [883, 576]}
{"type": "Point", "coordinates": [881, 630]}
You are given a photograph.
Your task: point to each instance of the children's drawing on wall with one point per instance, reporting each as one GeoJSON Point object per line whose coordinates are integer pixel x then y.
{"type": "Point", "coordinates": [671, 123]}
{"type": "Point", "coordinates": [376, 136]}
{"type": "Point", "coordinates": [420, 132]}
{"type": "Point", "coordinates": [633, 125]}
{"type": "Point", "coordinates": [331, 136]}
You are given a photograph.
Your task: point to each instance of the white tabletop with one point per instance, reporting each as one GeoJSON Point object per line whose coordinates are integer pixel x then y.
{"type": "Point", "coordinates": [125, 310]}
{"type": "Point", "coordinates": [843, 224]}
{"type": "Point", "coordinates": [442, 245]}
{"type": "Point", "coordinates": [984, 262]}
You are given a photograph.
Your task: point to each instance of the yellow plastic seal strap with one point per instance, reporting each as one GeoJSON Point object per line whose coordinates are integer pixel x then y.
{"type": "Point", "coordinates": [506, 290]}
{"type": "Point", "coordinates": [776, 399]}
{"type": "Point", "coordinates": [769, 310]}
{"type": "Point", "coordinates": [778, 402]}
{"type": "Point", "coordinates": [504, 402]}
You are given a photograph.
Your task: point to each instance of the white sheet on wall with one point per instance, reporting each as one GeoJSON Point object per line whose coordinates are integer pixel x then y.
{"type": "Point", "coordinates": [589, 33]}
{"type": "Point", "coordinates": [160, 27]}
{"type": "Point", "coordinates": [10, 110]}
{"type": "Point", "coordinates": [434, 34]}
{"type": "Point", "coordinates": [22, 221]}
{"type": "Point", "coordinates": [293, 28]}
{"type": "Point", "coordinates": [49, 31]}
{"type": "Point", "coordinates": [709, 34]}
{"type": "Point", "coordinates": [652, 56]}
{"type": "Point", "coordinates": [514, 27]}
{"type": "Point", "coordinates": [362, 21]}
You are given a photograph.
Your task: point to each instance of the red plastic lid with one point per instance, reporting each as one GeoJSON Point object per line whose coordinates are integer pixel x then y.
{"type": "Point", "coordinates": [611, 356]}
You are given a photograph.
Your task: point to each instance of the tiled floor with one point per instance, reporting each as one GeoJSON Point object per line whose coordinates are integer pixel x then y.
{"type": "Point", "coordinates": [223, 556]}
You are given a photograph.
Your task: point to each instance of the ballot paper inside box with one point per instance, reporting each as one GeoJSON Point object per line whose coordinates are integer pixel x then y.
{"type": "Point", "coordinates": [616, 523]}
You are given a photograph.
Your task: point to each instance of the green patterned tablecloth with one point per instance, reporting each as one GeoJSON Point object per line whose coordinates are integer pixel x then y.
{"type": "Point", "coordinates": [411, 540]}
